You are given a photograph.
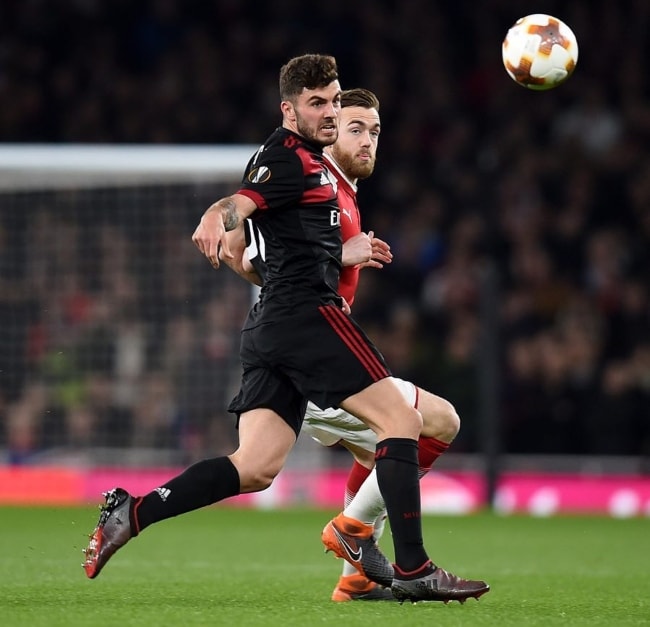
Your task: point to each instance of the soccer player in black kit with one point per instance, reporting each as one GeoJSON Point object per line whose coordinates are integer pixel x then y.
{"type": "Point", "coordinates": [297, 344]}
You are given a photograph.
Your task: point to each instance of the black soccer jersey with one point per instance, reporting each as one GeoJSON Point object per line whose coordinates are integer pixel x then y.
{"type": "Point", "coordinates": [298, 220]}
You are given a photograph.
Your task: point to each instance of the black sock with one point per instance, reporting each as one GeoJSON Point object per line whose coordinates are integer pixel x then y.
{"type": "Point", "coordinates": [397, 475]}
{"type": "Point", "coordinates": [201, 484]}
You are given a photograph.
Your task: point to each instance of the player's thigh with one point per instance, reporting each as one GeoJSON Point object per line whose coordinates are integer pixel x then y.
{"type": "Point", "coordinates": [383, 407]}
{"type": "Point", "coordinates": [265, 441]}
{"type": "Point", "coordinates": [439, 418]}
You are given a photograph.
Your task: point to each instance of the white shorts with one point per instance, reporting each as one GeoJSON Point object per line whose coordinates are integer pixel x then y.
{"type": "Point", "coordinates": [330, 426]}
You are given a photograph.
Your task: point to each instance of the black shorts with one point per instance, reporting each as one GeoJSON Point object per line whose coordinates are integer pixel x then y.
{"type": "Point", "coordinates": [314, 353]}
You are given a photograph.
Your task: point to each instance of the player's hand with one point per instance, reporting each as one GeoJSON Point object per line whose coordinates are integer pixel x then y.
{"type": "Point", "coordinates": [357, 250]}
{"type": "Point", "coordinates": [380, 252]}
{"type": "Point", "coordinates": [366, 251]}
{"type": "Point", "coordinates": [209, 236]}
{"type": "Point", "coordinates": [345, 307]}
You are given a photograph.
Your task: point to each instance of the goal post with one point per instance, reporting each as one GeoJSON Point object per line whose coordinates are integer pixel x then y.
{"type": "Point", "coordinates": [46, 166]}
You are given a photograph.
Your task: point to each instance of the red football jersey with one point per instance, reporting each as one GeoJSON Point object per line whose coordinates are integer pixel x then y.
{"type": "Point", "coordinates": [346, 197]}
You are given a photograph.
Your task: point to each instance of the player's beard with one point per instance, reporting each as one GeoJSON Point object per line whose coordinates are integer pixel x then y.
{"type": "Point", "coordinates": [354, 168]}
{"type": "Point", "coordinates": [311, 133]}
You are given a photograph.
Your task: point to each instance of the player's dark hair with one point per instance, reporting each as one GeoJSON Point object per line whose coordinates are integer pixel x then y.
{"type": "Point", "coordinates": [309, 71]}
{"type": "Point", "coordinates": [359, 97]}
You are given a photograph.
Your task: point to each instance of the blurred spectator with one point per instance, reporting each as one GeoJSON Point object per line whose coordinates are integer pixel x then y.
{"type": "Point", "coordinates": [24, 428]}
{"type": "Point", "coordinates": [206, 381]}
{"type": "Point", "coordinates": [156, 416]}
{"type": "Point", "coordinates": [613, 426]}
{"type": "Point", "coordinates": [591, 125]}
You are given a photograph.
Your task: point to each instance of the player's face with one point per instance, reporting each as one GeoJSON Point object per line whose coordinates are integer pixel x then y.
{"type": "Point", "coordinates": [355, 149]}
{"type": "Point", "coordinates": [314, 114]}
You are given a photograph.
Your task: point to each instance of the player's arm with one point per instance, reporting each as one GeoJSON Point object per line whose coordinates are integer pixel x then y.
{"type": "Point", "coordinates": [239, 261]}
{"type": "Point", "coordinates": [367, 251]}
{"type": "Point", "coordinates": [223, 216]}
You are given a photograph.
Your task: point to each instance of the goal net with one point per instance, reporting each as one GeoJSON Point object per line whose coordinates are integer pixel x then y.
{"type": "Point", "coordinates": [117, 337]}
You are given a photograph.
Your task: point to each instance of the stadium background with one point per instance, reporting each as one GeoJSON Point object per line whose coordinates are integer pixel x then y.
{"type": "Point", "coordinates": [520, 224]}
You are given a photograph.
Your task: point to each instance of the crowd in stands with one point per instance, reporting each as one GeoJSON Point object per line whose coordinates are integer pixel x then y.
{"type": "Point", "coordinates": [539, 202]}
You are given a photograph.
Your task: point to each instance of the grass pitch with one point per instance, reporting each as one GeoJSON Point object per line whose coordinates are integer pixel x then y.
{"type": "Point", "coordinates": [226, 566]}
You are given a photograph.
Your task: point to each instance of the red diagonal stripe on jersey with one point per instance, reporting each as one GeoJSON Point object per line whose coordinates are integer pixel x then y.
{"type": "Point", "coordinates": [348, 333]}
{"type": "Point", "coordinates": [324, 193]}
{"type": "Point", "coordinates": [256, 197]}
{"type": "Point", "coordinates": [311, 164]}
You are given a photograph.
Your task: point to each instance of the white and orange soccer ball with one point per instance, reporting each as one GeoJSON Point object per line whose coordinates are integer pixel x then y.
{"type": "Point", "coordinates": [539, 51]}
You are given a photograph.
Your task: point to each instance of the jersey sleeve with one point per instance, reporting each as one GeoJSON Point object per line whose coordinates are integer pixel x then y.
{"type": "Point", "coordinates": [273, 178]}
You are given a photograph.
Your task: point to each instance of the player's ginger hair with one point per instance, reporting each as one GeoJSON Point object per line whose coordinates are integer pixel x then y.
{"type": "Point", "coordinates": [359, 97]}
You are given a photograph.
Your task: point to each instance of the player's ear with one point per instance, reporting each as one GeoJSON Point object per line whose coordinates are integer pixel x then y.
{"type": "Point", "coordinates": [288, 111]}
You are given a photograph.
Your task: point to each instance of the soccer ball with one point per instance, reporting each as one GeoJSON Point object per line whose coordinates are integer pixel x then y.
{"type": "Point", "coordinates": [540, 51]}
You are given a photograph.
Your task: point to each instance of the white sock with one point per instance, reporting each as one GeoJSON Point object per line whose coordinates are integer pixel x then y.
{"type": "Point", "coordinates": [380, 524]}
{"type": "Point", "coordinates": [368, 503]}
{"type": "Point", "coordinates": [348, 569]}
{"type": "Point", "coordinates": [361, 506]}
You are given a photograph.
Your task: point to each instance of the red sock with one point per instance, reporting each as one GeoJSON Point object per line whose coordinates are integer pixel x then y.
{"type": "Point", "coordinates": [357, 475]}
{"type": "Point", "coordinates": [429, 449]}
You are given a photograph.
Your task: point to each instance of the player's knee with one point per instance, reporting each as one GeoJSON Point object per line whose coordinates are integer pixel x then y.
{"type": "Point", "coordinates": [255, 474]}
{"type": "Point", "coordinates": [262, 481]}
{"type": "Point", "coordinates": [256, 480]}
{"type": "Point", "coordinates": [443, 423]}
{"type": "Point", "coordinates": [450, 423]}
